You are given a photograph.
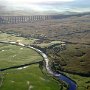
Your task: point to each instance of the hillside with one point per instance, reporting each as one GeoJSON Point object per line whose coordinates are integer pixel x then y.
{"type": "Point", "coordinates": [74, 28]}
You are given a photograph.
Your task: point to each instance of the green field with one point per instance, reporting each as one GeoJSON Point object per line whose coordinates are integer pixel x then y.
{"type": "Point", "coordinates": [30, 78]}
{"type": "Point", "coordinates": [11, 55]}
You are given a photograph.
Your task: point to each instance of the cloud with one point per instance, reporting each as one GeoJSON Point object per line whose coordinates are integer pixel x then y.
{"type": "Point", "coordinates": [2, 6]}
{"type": "Point", "coordinates": [45, 5]}
{"type": "Point", "coordinates": [36, 1]}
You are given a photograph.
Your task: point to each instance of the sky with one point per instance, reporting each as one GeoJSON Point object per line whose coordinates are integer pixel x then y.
{"type": "Point", "coordinates": [46, 5]}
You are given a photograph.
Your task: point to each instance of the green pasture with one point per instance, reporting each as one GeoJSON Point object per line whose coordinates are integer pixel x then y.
{"type": "Point", "coordinates": [30, 78]}
{"type": "Point", "coordinates": [11, 55]}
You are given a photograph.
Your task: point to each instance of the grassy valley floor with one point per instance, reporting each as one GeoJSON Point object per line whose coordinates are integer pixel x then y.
{"type": "Point", "coordinates": [30, 78]}
{"type": "Point", "coordinates": [12, 55]}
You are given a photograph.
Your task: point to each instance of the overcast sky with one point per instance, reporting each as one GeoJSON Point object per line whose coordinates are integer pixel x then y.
{"type": "Point", "coordinates": [46, 5]}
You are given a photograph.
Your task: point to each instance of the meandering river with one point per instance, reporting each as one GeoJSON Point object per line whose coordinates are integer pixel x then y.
{"type": "Point", "coordinates": [72, 85]}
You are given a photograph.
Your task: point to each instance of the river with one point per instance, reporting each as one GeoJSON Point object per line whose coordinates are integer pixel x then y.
{"type": "Point", "coordinates": [72, 85]}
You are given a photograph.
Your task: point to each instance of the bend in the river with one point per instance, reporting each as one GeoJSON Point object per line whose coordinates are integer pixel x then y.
{"type": "Point", "coordinates": [72, 85]}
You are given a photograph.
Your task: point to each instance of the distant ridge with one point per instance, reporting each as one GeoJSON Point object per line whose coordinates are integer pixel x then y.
{"type": "Point", "coordinates": [29, 13]}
